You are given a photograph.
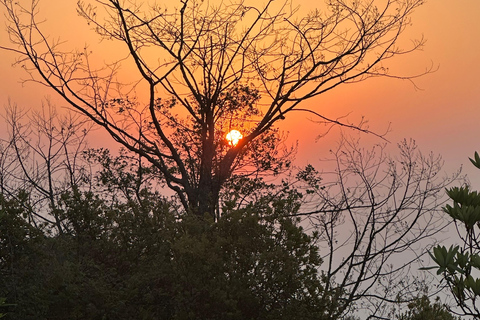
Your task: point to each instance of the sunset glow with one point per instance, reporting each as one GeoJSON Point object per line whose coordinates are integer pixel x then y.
{"type": "Point", "coordinates": [233, 137]}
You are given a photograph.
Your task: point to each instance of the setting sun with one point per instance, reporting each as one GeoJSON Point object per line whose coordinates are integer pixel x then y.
{"type": "Point", "coordinates": [233, 137]}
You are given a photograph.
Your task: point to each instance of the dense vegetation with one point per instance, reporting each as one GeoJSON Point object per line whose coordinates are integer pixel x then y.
{"type": "Point", "coordinates": [122, 258]}
{"type": "Point", "coordinates": [108, 244]}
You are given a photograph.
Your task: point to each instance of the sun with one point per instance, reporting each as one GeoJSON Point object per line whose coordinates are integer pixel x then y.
{"type": "Point", "coordinates": [233, 137]}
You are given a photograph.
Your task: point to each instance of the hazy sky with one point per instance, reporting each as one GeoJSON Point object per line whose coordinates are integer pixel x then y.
{"type": "Point", "coordinates": [442, 117]}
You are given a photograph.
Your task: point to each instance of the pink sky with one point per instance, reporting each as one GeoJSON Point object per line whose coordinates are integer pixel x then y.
{"type": "Point", "coordinates": [443, 117]}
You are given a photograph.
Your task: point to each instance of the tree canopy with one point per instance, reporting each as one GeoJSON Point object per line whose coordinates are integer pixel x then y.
{"type": "Point", "coordinates": [128, 258]}
{"type": "Point", "coordinates": [206, 68]}
{"type": "Point", "coordinates": [422, 309]}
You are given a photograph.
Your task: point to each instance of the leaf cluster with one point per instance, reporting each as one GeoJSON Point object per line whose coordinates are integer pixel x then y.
{"type": "Point", "coordinates": [460, 264]}
{"type": "Point", "coordinates": [421, 308]}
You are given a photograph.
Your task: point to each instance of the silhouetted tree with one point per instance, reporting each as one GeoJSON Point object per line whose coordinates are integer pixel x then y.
{"type": "Point", "coordinates": [129, 258]}
{"type": "Point", "coordinates": [207, 68]}
{"type": "Point", "coordinates": [376, 216]}
{"type": "Point", "coordinates": [122, 240]}
{"type": "Point", "coordinates": [41, 158]}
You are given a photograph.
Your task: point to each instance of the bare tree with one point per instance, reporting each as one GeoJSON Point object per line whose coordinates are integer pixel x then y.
{"type": "Point", "coordinates": [42, 158]}
{"type": "Point", "coordinates": [207, 68]}
{"type": "Point", "coordinates": [376, 216]}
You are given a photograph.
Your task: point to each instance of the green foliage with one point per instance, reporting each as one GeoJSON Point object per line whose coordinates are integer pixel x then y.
{"type": "Point", "coordinates": [466, 206]}
{"type": "Point", "coordinates": [476, 161]}
{"type": "Point", "coordinates": [422, 309]}
{"type": "Point", "coordinates": [3, 307]}
{"type": "Point", "coordinates": [125, 251]}
{"type": "Point", "coordinates": [127, 254]}
{"type": "Point", "coordinates": [244, 267]}
{"type": "Point", "coordinates": [445, 259]}
{"type": "Point", "coordinates": [16, 233]}
{"type": "Point", "coordinates": [460, 264]}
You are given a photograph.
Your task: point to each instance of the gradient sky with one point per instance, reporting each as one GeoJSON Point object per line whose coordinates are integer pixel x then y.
{"type": "Point", "coordinates": [442, 117]}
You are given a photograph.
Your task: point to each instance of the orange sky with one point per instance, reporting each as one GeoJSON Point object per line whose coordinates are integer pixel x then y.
{"type": "Point", "coordinates": [443, 117]}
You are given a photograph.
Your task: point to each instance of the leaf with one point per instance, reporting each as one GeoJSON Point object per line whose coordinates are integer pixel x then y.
{"type": "Point", "coordinates": [476, 162]}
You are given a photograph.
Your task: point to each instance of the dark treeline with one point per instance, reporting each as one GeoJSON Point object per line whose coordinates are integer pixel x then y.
{"type": "Point", "coordinates": [87, 234]}
{"type": "Point", "coordinates": [125, 254]}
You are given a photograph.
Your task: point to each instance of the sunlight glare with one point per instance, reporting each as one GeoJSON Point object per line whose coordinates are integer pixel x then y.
{"type": "Point", "coordinates": [233, 137]}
